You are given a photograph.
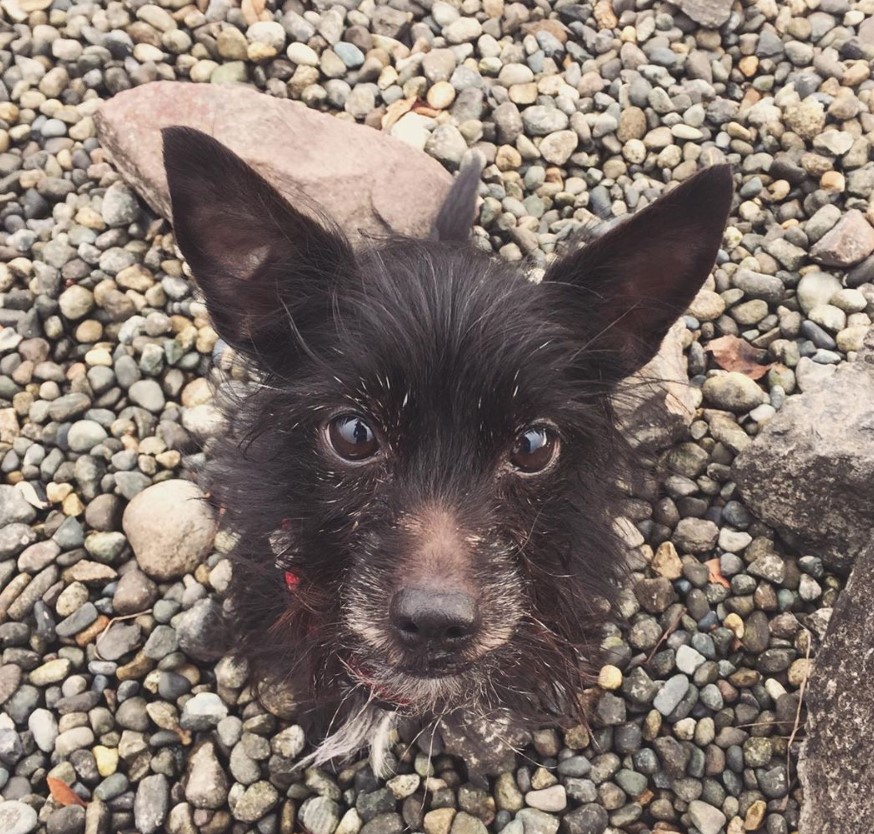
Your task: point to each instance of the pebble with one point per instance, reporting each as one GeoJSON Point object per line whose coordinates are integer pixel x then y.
{"type": "Point", "coordinates": [300, 53]}
{"type": "Point", "coordinates": [537, 822]}
{"type": "Point", "coordinates": [759, 285]}
{"type": "Point", "coordinates": [289, 743]}
{"type": "Point", "coordinates": [447, 145]}
{"type": "Point", "coordinates": [16, 817]}
{"type": "Point", "coordinates": [199, 630]}
{"type": "Point", "coordinates": [203, 711]}
{"type": "Point", "coordinates": [610, 677]}
{"type": "Point", "coordinates": [587, 819]}
{"type": "Point", "coordinates": [541, 120]}
{"type": "Point", "coordinates": [558, 147]}
{"type": "Point", "coordinates": [688, 660]}
{"type": "Point", "coordinates": [52, 671]}
{"type": "Point", "coordinates": [73, 739]}
{"type": "Point", "coordinates": [152, 803]}
{"type": "Point", "coordinates": [671, 694]}
{"type": "Point", "coordinates": [255, 801]}
{"type": "Point", "coordinates": [175, 546]}
{"type": "Point", "coordinates": [706, 818]}
{"type": "Point", "coordinates": [733, 391]}
{"type": "Point", "coordinates": [462, 30]}
{"type": "Point", "coordinates": [106, 760]}
{"type": "Point", "coordinates": [147, 393]}
{"type": "Point", "coordinates": [319, 815]}
{"type": "Point", "coordinates": [134, 593]}
{"type": "Point", "coordinates": [552, 799]}
{"type": "Point", "coordinates": [76, 302]}
{"type": "Point", "coordinates": [120, 639]}
{"type": "Point", "coordinates": [84, 435]}
{"type": "Point", "coordinates": [816, 289]}
{"type": "Point", "coordinates": [695, 535]}
{"type": "Point", "coordinates": [119, 207]}
{"type": "Point", "coordinates": [14, 508]}
{"type": "Point", "coordinates": [207, 784]}
{"type": "Point", "coordinates": [850, 241]}
{"type": "Point", "coordinates": [44, 726]}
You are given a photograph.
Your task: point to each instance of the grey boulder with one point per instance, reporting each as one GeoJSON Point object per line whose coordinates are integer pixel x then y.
{"type": "Point", "coordinates": [835, 762]}
{"type": "Point", "coordinates": [809, 472]}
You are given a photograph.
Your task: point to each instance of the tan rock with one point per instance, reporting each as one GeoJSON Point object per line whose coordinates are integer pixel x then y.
{"type": "Point", "coordinates": [170, 528]}
{"type": "Point", "coordinates": [667, 562]}
{"type": "Point", "coordinates": [374, 190]}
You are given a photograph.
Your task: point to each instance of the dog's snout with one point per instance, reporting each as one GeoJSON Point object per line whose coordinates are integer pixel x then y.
{"type": "Point", "coordinates": [433, 621]}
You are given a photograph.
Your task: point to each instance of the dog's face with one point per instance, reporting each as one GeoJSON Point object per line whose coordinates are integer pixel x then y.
{"type": "Point", "coordinates": [422, 484]}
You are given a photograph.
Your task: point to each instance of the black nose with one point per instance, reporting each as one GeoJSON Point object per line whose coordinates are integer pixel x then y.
{"type": "Point", "coordinates": [433, 621]}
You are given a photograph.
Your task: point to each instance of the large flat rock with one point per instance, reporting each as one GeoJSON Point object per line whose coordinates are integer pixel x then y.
{"type": "Point", "coordinates": [810, 472]}
{"type": "Point", "coordinates": [835, 763]}
{"type": "Point", "coordinates": [367, 181]}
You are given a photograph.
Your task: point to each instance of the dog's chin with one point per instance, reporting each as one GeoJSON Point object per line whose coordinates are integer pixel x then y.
{"type": "Point", "coordinates": [415, 690]}
{"type": "Point", "coordinates": [447, 670]}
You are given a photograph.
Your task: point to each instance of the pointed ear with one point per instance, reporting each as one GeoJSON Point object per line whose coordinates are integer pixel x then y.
{"type": "Point", "coordinates": [633, 283]}
{"type": "Point", "coordinates": [265, 268]}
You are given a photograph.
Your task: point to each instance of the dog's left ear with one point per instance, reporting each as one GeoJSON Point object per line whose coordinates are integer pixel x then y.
{"type": "Point", "coordinates": [629, 286]}
{"type": "Point", "coordinates": [265, 267]}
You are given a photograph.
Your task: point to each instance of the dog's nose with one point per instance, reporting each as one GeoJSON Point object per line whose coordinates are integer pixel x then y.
{"type": "Point", "coordinates": [433, 620]}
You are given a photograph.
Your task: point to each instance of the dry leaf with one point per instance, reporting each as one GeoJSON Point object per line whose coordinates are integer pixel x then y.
{"type": "Point", "coordinates": [716, 573]}
{"type": "Point", "coordinates": [395, 110]}
{"type": "Point", "coordinates": [735, 354]}
{"type": "Point", "coordinates": [252, 10]}
{"type": "Point", "coordinates": [63, 794]}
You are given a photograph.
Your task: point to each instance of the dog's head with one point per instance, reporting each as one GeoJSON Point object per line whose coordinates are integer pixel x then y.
{"type": "Point", "coordinates": [422, 481]}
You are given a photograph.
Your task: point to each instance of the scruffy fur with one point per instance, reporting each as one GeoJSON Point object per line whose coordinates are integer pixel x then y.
{"type": "Point", "coordinates": [450, 355]}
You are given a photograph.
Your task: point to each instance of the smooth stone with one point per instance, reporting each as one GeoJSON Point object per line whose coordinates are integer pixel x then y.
{"type": "Point", "coordinates": [733, 391]}
{"type": "Point", "coordinates": [207, 785]}
{"type": "Point", "coordinates": [671, 694]}
{"type": "Point", "coordinates": [170, 528]}
{"type": "Point", "coordinates": [17, 817]}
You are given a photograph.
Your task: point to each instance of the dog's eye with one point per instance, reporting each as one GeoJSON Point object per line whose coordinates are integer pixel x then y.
{"type": "Point", "coordinates": [351, 438]}
{"type": "Point", "coordinates": [534, 449]}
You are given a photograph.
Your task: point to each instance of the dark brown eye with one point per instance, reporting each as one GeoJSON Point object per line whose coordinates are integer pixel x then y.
{"type": "Point", "coordinates": [351, 437]}
{"type": "Point", "coordinates": [534, 449]}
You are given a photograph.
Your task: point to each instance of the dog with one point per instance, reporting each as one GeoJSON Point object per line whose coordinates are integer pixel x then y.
{"type": "Point", "coordinates": [421, 481]}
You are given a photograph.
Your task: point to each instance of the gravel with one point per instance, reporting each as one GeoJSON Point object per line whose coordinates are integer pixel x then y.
{"type": "Point", "coordinates": [111, 676]}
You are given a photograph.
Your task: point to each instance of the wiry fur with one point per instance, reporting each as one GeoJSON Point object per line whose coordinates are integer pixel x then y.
{"type": "Point", "coordinates": [548, 556]}
{"type": "Point", "coordinates": [450, 354]}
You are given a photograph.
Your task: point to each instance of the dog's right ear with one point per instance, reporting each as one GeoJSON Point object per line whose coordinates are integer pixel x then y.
{"type": "Point", "coordinates": [265, 268]}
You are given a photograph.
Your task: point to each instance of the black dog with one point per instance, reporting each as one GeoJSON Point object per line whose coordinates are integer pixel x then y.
{"type": "Point", "coordinates": [422, 481]}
